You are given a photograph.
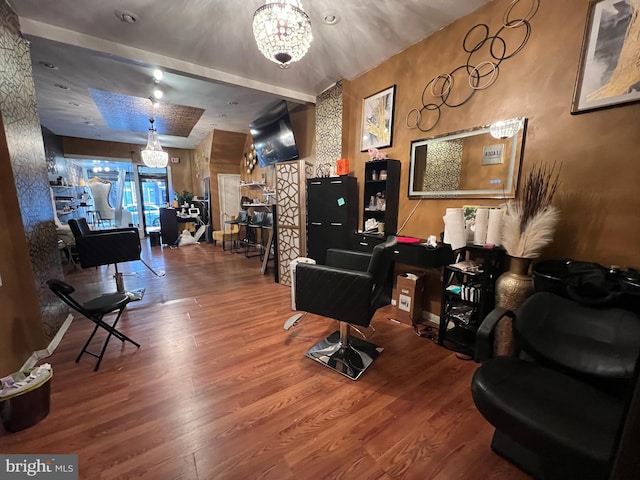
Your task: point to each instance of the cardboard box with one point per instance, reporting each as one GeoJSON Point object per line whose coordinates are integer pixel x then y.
{"type": "Point", "coordinates": [407, 297]}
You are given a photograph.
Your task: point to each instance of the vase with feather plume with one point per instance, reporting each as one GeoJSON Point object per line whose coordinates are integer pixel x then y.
{"type": "Point", "coordinates": [512, 288]}
{"type": "Point", "coordinates": [528, 226]}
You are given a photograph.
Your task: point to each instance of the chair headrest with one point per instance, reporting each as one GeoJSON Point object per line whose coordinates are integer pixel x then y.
{"type": "Point", "coordinates": [603, 342]}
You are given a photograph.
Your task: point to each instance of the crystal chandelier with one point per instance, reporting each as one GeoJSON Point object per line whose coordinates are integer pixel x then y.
{"type": "Point", "coordinates": [153, 155]}
{"type": "Point", "coordinates": [505, 128]}
{"type": "Point", "coordinates": [282, 31]}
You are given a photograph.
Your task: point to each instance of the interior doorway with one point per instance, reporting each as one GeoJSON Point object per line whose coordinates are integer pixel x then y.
{"type": "Point", "coordinates": [228, 195]}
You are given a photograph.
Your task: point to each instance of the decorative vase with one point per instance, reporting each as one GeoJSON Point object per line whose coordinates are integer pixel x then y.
{"type": "Point", "coordinates": [512, 288]}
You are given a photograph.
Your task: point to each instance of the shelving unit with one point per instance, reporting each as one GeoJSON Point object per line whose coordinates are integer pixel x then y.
{"type": "Point", "coordinates": [468, 296]}
{"type": "Point", "coordinates": [382, 180]}
{"type": "Point", "coordinates": [69, 202]}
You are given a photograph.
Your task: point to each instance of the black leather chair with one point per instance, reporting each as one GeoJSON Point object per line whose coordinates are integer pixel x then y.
{"type": "Point", "coordinates": [95, 310]}
{"type": "Point", "coordinates": [105, 247]}
{"type": "Point", "coordinates": [349, 288]}
{"type": "Point", "coordinates": [559, 406]}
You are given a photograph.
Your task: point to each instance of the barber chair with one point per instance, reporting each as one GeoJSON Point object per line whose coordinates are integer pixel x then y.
{"type": "Point", "coordinates": [349, 289]}
{"type": "Point", "coordinates": [95, 310]}
{"type": "Point", "coordinates": [558, 406]}
{"type": "Point", "coordinates": [111, 246]}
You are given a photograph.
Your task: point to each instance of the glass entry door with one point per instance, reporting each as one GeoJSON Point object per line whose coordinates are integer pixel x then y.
{"type": "Point", "coordinates": [154, 194]}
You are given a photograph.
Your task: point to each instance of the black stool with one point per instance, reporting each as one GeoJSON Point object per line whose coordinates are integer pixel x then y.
{"type": "Point", "coordinates": [95, 310]}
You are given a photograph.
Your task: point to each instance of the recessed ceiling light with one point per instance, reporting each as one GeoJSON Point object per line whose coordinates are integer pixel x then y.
{"type": "Point", "coordinates": [331, 18]}
{"type": "Point", "coordinates": [63, 87]}
{"type": "Point", "coordinates": [221, 115]}
{"type": "Point", "coordinates": [48, 65]}
{"type": "Point", "coordinates": [75, 104]}
{"type": "Point", "coordinates": [157, 93]}
{"type": "Point", "coordinates": [157, 74]}
{"type": "Point", "coordinates": [232, 102]}
{"type": "Point", "coordinates": [126, 16]}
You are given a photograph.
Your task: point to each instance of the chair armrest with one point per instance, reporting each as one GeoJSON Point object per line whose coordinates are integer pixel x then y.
{"type": "Point", "coordinates": [348, 259]}
{"type": "Point", "coordinates": [484, 335]}
{"type": "Point", "coordinates": [340, 294]}
{"type": "Point", "coordinates": [108, 247]}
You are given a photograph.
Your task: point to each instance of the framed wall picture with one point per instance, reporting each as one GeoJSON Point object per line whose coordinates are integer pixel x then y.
{"type": "Point", "coordinates": [608, 73]}
{"type": "Point", "coordinates": [377, 119]}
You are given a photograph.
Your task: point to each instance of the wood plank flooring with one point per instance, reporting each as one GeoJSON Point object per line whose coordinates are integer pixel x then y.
{"type": "Point", "coordinates": [218, 390]}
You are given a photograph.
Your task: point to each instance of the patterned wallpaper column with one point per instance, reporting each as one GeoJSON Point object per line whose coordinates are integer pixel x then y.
{"type": "Point", "coordinates": [26, 150]}
{"type": "Point", "coordinates": [328, 129]}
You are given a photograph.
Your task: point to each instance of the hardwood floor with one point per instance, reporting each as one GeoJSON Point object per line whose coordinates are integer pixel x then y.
{"type": "Point", "coordinates": [218, 390]}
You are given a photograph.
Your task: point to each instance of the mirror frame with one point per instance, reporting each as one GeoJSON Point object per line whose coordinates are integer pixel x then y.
{"type": "Point", "coordinates": [516, 153]}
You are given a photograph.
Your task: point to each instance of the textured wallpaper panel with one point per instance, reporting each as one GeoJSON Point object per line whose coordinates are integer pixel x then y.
{"type": "Point", "coordinates": [28, 162]}
{"type": "Point", "coordinates": [329, 126]}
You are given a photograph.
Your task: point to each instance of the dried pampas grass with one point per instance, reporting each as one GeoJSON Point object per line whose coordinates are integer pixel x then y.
{"type": "Point", "coordinates": [530, 220]}
{"type": "Point", "coordinates": [537, 234]}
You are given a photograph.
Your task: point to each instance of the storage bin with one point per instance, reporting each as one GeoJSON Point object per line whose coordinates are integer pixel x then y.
{"type": "Point", "coordinates": [27, 407]}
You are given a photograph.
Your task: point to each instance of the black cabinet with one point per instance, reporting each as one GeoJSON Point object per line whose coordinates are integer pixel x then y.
{"type": "Point", "coordinates": [381, 193]}
{"type": "Point", "coordinates": [468, 295]}
{"type": "Point", "coordinates": [332, 214]}
{"type": "Point", "coordinates": [168, 225]}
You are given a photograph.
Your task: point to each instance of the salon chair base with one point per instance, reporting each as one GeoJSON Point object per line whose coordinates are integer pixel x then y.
{"type": "Point", "coordinates": [134, 295]}
{"type": "Point", "coordinates": [350, 358]}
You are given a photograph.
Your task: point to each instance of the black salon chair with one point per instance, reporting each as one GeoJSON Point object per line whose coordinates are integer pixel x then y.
{"type": "Point", "coordinates": [105, 247]}
{"type": "Point", "coordinates": [111, 246]}
{"type": "Point", "coordinates": [349, 288]}
{"type": "Point", "coordinates": [95, 310]}
{"type": "Point", "coordinates": [558, 407]}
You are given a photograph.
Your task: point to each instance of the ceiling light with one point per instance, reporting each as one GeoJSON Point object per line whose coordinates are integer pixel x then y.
{"type": "Point", "coordinates": [232, 102]}
{"type": "Point", "coordinates": [48, 65]}
{"type": "Point", "coordinates": [282, 31]}
{"type": "Point", "coordinates": [63, 87]}
{"type": "Point", "coordinates": [157, 93]}
{"type": "Point", "coordinates": [75, 104]}
{"type": "Point", "coordinates": [157, 74]}
{"type": "Point", "coordinates": [153, 155]}
{"type": "Point", "coordinates": [505, 128]}
{"type": "Point", "coordinates": [126, 16]}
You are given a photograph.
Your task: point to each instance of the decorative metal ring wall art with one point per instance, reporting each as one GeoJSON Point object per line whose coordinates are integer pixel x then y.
{"type": "Point", "coordinates": [444, 90]}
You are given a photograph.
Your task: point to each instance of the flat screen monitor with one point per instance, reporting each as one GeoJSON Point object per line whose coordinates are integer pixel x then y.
{"type": "Point", "coordinates": [273, 136]}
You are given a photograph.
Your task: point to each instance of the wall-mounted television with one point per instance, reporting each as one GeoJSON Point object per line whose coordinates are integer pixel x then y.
{"type": "Point", "coordinates": [273, 136]}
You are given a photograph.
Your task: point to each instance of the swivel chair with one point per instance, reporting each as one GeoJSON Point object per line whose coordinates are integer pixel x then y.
{"type": "Point", "coordinates": [105, 247]}
{"type": "Point", "coordinates": [559, 406]}
{"type": "Point", "coordinates": [349, 288]}
{"type": "Point", "coordinates": [95, 310]}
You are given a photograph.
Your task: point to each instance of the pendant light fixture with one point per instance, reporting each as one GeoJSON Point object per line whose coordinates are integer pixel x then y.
{"type": "Point", "coordinates": [153, 155]}
{"type": "Point", "coordinates": [282, 31]}
{"type": "Point", "coordinates": [505, 128]}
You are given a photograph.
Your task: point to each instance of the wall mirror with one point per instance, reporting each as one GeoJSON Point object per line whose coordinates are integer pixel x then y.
{"type": "Point", "coordinates": [468, 164]}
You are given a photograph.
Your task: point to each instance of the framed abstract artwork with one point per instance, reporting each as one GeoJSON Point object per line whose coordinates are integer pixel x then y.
{"type": "Point", "coordinates": [608, 73]}
{"type": "Point", "coordinates": [377, 119]}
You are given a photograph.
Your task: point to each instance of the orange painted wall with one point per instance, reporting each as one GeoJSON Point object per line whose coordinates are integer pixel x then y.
{"type": "Point", "coordinates": [598, 196]}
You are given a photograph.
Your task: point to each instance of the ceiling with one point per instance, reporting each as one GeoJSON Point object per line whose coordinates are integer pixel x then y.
{"type": "Point", "coordinates": [215, 77]}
